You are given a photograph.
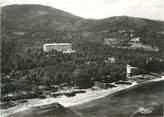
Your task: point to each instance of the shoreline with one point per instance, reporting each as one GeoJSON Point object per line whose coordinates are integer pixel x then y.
{"type": "Point", "coordinates": [90, 95]}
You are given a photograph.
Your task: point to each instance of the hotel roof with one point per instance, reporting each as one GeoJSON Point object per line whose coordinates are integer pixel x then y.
{"type": "Point", "coordinates": [57, 44]}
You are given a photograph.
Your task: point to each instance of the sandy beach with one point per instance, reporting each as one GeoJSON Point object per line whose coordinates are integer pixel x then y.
{"type": "Point", "coordinates": [90, 95]}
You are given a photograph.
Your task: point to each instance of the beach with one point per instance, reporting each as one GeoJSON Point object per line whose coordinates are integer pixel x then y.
{"type": "Point", "coordinates": [82, 98]}
{"type": "Point", "coordinates": [135, 101]}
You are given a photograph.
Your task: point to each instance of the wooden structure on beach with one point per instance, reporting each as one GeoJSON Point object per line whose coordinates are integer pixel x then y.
{"type": "Point", "coordinates": [103, 85]}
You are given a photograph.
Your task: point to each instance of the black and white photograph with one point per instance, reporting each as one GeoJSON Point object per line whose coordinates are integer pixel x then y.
{"type": "Point", "coordinates": [82, 58]}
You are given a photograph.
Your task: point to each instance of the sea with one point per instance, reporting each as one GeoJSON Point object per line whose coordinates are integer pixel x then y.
{"type": "Point", "coordinates": [143, 100]}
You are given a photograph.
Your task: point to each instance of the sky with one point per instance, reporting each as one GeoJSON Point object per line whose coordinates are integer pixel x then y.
{"type": "Point", "coordinates": [98, 9]}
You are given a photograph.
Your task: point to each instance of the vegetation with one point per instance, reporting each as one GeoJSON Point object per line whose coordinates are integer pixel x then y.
{"type": "Point", "coordinates": [25, 28]}
{"type": "Point", "coordinates": [36, 67]}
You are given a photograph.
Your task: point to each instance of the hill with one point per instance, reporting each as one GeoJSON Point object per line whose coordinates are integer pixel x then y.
{"type": "Point", "coordinates": [38, 17]}
{"type": "Point", "coordinates": [30, 17]}
{"type": "Point", "coordinates": [150, 31]}
{"type": "Point", "coordinates": [30, 26]}
{"type": "Point", "coordinates": [38, 24]}
{"type": "Point", "coordinates": [127, 23]}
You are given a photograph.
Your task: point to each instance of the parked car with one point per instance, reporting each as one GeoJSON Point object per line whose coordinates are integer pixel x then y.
{"type": "Point", "coordinates": [124, 82]}
{"type": "Point", "coordinates": [79, 91]}
{"type": "Point", "coordinates": [42, 97]}
{"type": "Point", "coordinates": [56, 95]}
{"type": "Point", "coordinates": [22, 101]}
{"type": "Point", "coordinates": [70, 94]}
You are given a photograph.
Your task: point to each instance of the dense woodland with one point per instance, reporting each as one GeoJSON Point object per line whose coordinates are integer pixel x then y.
{"type": "Point", "coordinates": [36, 67]}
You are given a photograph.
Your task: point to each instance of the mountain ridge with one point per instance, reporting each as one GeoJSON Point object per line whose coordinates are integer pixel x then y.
{"type": "Point", "coordinates": [38, 15]}
{"type": "Point", "coordinates": [55, 16]}
{"type": "Point", "coordinates": [160, 20]}
{"type": "Point", "coordinates": [37, 23]}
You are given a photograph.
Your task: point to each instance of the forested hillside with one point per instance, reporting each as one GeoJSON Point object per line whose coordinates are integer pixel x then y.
{"type": "Point", "coordinates": [25, 28]}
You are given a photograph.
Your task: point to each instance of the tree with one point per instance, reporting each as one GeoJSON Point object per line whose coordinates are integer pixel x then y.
{"type": "Point", "coordinates": [82, 79]}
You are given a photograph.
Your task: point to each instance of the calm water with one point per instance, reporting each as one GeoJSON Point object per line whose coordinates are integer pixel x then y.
{"type": "Point", "coordinates": [125, 103]}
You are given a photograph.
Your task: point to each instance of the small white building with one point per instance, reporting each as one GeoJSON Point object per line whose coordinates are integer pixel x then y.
{"type": "Point", "coordinates": [135, 40]}
{"type": "Point", "coordinates": [110, 60]}
{"type": "Point", "coordinates": [111, 41]}
{"type": "Point", "coordinates": [129, 69]}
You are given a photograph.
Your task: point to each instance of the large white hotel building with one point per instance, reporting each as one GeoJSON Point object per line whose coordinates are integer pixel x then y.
{"type": "Point", "coordinates": [62, 47]}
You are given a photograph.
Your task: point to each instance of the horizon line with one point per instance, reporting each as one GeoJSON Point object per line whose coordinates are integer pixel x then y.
{"type": "Point", "coordinates": [123, 15]}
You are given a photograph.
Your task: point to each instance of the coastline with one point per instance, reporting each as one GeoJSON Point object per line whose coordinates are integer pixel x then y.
{"type": "Point", "coordinates": [89, 96]}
